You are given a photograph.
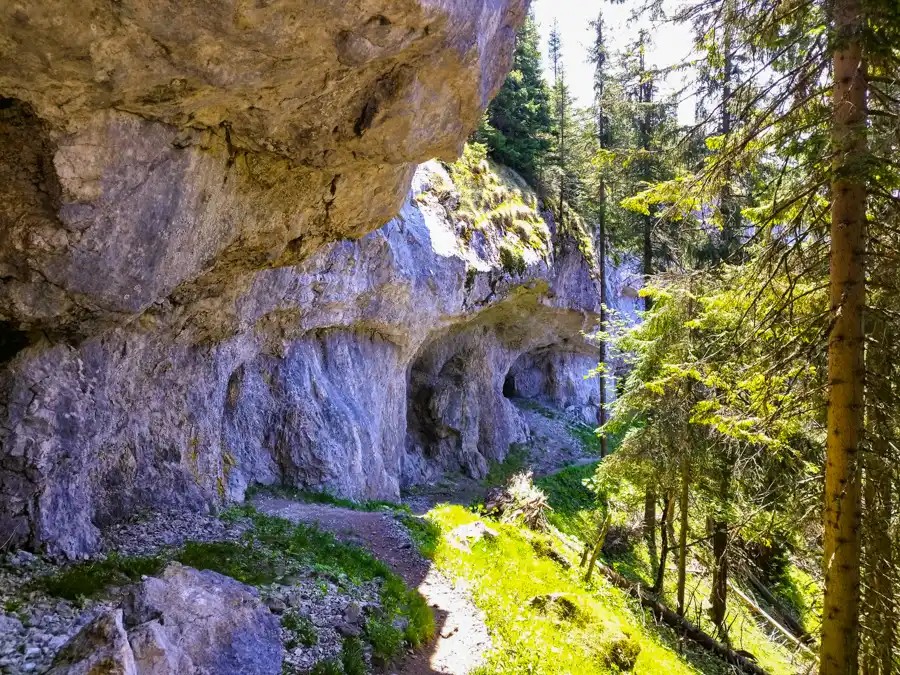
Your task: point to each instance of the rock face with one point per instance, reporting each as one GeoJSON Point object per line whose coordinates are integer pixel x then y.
{"type": "Point", "coordinates": [188, 300]}
{"type": "Point", "coordinates": [185, 623]}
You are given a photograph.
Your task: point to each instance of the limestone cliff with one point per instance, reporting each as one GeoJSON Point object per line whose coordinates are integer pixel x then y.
{"type": "Point", "coordinates": [189, 300]}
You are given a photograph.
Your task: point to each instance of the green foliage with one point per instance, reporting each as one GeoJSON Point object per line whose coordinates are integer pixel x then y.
{"type": "Point", "coordinates": [385, 638]}
{"type": "Point", "coordinates": [89, 579]}
{"type": "Point", "coordinates": [573, 503]}
{"type": "Point", "coordinates": [494, 199]}
{"type": "Point", "coordinates": [516, 461]}
{"type": "Point", "coordinates": [327, 667]}
{"type": "Point", "coordinates": [353, 656]}
{"type": "Point", "coordinates": [512, 260]}
{"type": "Point", "coordinates": [239, 560]}
{"type": "Point", "coordinates": [506, 575]}
{"type": "Point", "coordinates": [517, 124]}
{"type": "Point", "coordinates": [302, 629]}
{"type": "Point", "coordinates": [420, 626]}
{"type": "Point", "coordinates": [424, 533]}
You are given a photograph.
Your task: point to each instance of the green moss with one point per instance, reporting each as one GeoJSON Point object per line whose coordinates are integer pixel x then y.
{"type": "Point", "coordinates": [89, 579]}
{"type": "Point", "coordinates": [512, 259]}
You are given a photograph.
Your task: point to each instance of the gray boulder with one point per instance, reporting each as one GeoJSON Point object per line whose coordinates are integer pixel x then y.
{"type": "Point", "coordinates": [101, 648]}
{"type": "Point", "coordinates": [186, 622]}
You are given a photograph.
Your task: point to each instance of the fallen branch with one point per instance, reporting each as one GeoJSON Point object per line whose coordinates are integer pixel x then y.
{"type": "Point", "coordinates": [680, 624]}
{"type": "Point", "coordinates": [788, 621]}
{"type": "Point", "coordinates": [759, 610]}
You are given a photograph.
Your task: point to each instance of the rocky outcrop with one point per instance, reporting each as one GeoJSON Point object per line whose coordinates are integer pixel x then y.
{"type": "Point", "coordinates": [189, 303]}
{"type": "Point", "coordinates": [369, 365]}
{"type": "Point", "coordinates": [151, 153]}
{"type": "Point", "coordinates": [184, 623]}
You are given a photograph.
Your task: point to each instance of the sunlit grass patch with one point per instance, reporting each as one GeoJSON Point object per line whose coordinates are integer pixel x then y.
{"type": "Point", "coordinates": [506, 576]}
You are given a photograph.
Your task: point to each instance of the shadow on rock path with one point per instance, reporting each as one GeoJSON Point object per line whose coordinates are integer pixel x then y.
{"type": "Point", "coordinates": [461, 638]}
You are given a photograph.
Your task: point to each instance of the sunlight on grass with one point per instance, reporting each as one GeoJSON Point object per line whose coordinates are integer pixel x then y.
{"type": "Point", "coordinates": [511, 582]}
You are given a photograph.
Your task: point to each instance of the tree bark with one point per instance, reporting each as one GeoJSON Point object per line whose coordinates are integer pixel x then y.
{"type": "Point", "coordinates": [683, 532]}
{"type": "Point", "coordinates": [664, 526]}
{"type": "Point", "coordinates": [598, 546]}
{"type": "Point", "coordinates": [650, 525]}
{"type": "Point", "coordinates": [601, 226]}
{"type": "Point", "coordinates": [840, 616]}
{"type": "Point", "coordinates": [719, 594]}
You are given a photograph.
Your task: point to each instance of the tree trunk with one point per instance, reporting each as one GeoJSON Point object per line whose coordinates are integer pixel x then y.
{"type": "Point", "coordinates": [598, 546]}
{"type": "Point", "coordinates": [719, 595]}
{"type": "Point", "coordinates": [601, 226]}
{"type": "Point", "coordinates": [683, 532]}
{"type": "Point", "coordinates": [840, 615]}
{"type": "Point", "coordinates": [664, 525]}
{"type": "Point", "coordinates": [650, 525]}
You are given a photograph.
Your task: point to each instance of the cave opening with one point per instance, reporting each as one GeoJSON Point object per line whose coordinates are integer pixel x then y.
{"type": "Point", "coordinates": [12, 341]}
{"type": "Point", "coordinates": [509, 386]}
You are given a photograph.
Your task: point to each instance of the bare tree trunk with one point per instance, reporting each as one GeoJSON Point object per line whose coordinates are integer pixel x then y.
{"type": "Point", "coordinates": [682, 534]}
{"type": "Point", "coordinates": [719, 595]}
{"type": "Point", "coordinates": [664, 525]}
{"type": "Point", "coordinates": [840, 616]}
{"type": "Point", "coordinates": [601, 225]}
{"type": "Point", "coordinates": [598, 546]}
{"type": "Point", "coordinates": [650, 526]}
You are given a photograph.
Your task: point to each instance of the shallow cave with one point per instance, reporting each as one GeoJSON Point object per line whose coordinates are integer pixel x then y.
{"type": "Point", "coordinates": [12, 341]}
{"type": "Point", "coordinates": [553, 376]}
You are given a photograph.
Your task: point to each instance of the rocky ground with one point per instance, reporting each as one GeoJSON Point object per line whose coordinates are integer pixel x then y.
{"type": "Point", "coordinates": [318, 610]}
{"type": "Point", "coordinates": [34, 625]}
{"type": "Point", "coordinates": [462, 637]}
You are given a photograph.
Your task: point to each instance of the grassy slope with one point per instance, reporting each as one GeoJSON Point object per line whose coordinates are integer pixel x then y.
{"type": "Point", "coordinates": [507, 572]}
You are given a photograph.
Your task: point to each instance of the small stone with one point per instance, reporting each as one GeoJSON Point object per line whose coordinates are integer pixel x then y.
{"type": "Point", "coordinates": [276, 605]}
{"type": "Point", "coordinates": [348, 630]}
{"type": "Point", "coordinates": [353, 613]}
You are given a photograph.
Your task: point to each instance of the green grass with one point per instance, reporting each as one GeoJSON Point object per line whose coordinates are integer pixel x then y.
{"type": "Point", "coordinates": [89, 579]}
{"type": "Point", "coordinates": [312, 497]}
{"type": "Point", "coordinates": [425, 534]}
{"type": "Point", "coordinates": [327, 667]}
{"type": "Point", "coordinates": [303, 631]}
{"type": "Point", "coordinates": [574, 504]}
{"type": "Point", "coordinates": [353, 656]}
{"type": "Point", "coordinates": [499, 473]}
{"type": "Point", "coordinates": [506, 574]}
